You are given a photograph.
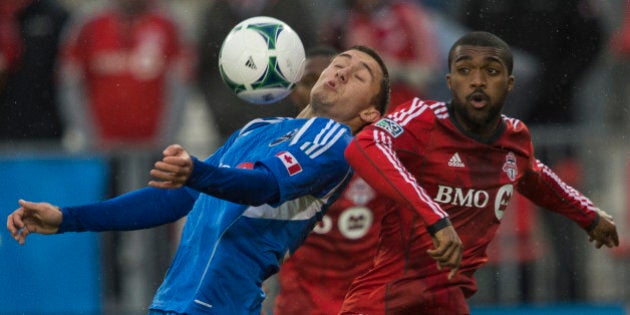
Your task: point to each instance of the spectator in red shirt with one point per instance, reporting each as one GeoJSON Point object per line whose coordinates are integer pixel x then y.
{"type": "Point", "coordinates": [124, 73]}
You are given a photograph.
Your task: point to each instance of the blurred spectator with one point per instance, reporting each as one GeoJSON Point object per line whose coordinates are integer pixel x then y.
{"type": "Point", "coordinates": [124, 72]}
{"type": "Point", "coordinates": [230, 112]}
{"type": "Point", "coordinates": [564, 35]}
{"type": "Point", "coordinates": [619, 113]}
{"type": "Point", "coordinates": [29, 41]}
{"type": "Point", "coordinates": [401, 31]}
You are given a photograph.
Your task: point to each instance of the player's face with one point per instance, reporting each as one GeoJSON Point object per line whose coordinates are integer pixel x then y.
{"type": "Point", "coordinates": [479, 82]}
{"type": "Point", "coordinates": [313, 68]}
{"type": "Point", "coordinates": [347, 87]}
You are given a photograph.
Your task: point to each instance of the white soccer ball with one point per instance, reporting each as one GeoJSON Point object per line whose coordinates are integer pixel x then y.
{"type": "Point", "coordinates": [261, 59]}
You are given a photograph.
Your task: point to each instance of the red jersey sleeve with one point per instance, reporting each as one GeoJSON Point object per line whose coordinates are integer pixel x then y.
{"type": "Point", "coordinates": [543, 187]}
{"type": "Point", "coordinates": [374, 155]}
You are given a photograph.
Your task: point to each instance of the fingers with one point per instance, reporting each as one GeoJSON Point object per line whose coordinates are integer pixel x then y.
{"type": "Point", "coordinates": [173, 170]}
{"type": "Point", "coordinates": [605, 233]}
{"type": "Point", "coordinates": [447, 256]}
{"type": "Point", "coordinates": [14, 221]}
{"type": "Point", "coordinates": [173, 150]}
{"type": "Point", "coordinates": [448, 250]}
{"type": "Point", "coordinates": [164, 184]}
{"type": "Point", "coordinates": [166, 169]}
{"type": "Point", "coordinates": [174, 176]}
{"type": "Point", "coordinates": [16, 226]}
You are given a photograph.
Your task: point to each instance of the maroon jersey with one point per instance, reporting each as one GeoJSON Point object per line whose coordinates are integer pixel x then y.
{"type": "Point", "coordinates": [419, 157]}
{"type": "Point", "coordinates": [341, 247]}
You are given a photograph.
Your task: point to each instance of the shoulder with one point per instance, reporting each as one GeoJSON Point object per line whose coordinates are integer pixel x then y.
{"type": "Point", "coordinates": [323, 131]}
{"type": "Point", "coordinates": [261, 122]}
{"type": "Point", "coordinates": [517, 135]}
{"type": "Point", "coordinates": [418, 110]}
{"type": "Point", "coordinates": [416, 113]}
{"type": "Point", "coordinates": [515, 126]}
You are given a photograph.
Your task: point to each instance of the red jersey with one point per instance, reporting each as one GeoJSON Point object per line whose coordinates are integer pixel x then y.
{"type": "Point", "coordinates": [316, 278]}
{"type": "Point", "coordinates": [124, 63]}
{"type": "Point", "coordinates": [436, 172]}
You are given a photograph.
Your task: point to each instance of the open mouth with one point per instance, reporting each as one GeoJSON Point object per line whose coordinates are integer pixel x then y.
{"type": "Point", "coordinates": [478, 99]}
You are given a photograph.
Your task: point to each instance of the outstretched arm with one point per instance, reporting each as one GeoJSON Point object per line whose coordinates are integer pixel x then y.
{"type": "Point", "coordinates": [246, 186]}
{"type": "Point", "coordinates": [144, 208]}
{"type": "Point", "coordinates": [543, 187]}
{"type": "Point", "coordinates": [374, 158]}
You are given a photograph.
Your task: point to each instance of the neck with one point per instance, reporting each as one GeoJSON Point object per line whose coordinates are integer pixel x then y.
{"type": "Point", "coordinates": [307, 112]}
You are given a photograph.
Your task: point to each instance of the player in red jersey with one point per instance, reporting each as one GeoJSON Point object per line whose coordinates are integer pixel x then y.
{"type": "Point", "coordinates": [315, 279]}
{"type": "Point", "coordinates": [452, 168]}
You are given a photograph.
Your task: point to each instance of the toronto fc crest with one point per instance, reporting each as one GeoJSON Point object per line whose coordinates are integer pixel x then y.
{"type": "Point", "coordinates": [510, 166]}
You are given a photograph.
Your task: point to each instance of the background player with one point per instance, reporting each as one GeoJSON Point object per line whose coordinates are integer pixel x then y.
{"type": "Point", "coordinates": [452, 168]}
{"type": "Point", "coordinates": [342, 245]}
{"type": "Point", "coordinates": [249, 205]}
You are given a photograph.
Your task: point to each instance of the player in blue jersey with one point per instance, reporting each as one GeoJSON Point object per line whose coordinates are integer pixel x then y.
{"type": "Point", "coordinates": [249, 205]}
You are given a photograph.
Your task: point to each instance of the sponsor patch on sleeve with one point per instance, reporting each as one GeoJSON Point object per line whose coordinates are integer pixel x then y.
{"type": "Point", "coordinates": [393, 128]}
{"type": "Point", "coordinates": [290, 163]}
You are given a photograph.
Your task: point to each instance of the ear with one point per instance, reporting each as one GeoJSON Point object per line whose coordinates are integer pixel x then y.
{"type": "Point", "coordinates": [510, 83]}
{"type": "Point", "coordinates": [448, 81]}
{"type": "Point", "coordinates": [370, 115]}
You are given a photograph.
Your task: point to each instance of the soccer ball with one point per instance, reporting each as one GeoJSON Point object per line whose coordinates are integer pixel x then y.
{"type": "Point", "coordinates": [261, 59]}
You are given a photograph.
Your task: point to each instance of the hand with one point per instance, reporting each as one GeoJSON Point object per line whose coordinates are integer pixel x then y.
{"type": "Point", "coordinates": [173, 170]}
{"type": "Point", "coordinates": [448, 250]}
{"type": "Point", "coordinates": [32, 217]}
{"type": "Point", "coordinates": [605, 232]}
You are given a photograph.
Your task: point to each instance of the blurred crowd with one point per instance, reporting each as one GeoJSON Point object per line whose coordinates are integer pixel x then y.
{"type": "Point", "coordinates": [127, 77]}
{"type": "Point", "coordinates": [75, 71]}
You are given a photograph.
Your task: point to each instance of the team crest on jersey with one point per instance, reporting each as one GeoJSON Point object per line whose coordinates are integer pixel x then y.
{"type": "Point", "coordinates": [288, 136]}
{"type": "Point", "coordinates": [509, 167]}
{"type": "Point", "coordinates": [393, 128]}
{"type": "Point", "coordinates": [290, 163]}
{"type": "Point", "coordinates": [359, 191]}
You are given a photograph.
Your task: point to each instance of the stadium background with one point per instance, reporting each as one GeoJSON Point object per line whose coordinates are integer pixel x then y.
{"type": "Point", "coordinates": [67, 274]}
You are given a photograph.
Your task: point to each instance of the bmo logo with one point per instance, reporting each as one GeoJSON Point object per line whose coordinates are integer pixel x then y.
{"type": "Point", "coordinates": [353, 223]}
{"type": "Point", "coordinates": [475, 198]}
{"type": "Point", "coordinates": [460, 197]}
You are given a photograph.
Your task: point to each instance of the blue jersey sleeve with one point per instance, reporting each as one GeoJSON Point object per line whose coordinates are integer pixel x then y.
{"type": "Point", "coordinates": [313, 163]}
{"type": "Point", "coordinates": [139, 209]}
{"type": "Point", "coordinates": [245, 186]}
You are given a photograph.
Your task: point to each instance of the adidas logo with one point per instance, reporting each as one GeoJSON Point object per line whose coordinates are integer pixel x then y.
{"type": "Point", "coordinates": [250, 63]}
{"type": "Point", "coordinates": [456, 161]}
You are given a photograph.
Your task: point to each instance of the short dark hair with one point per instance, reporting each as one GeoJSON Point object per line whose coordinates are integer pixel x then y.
{"type": "Point", "coordinates": [484, 39]}
{"type": "Point", "coordinates": [382, 98]}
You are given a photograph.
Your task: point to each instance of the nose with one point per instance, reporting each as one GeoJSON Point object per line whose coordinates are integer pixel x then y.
{"type": "Point", "coordinates": [343, 74]}
{"type": "Point", "coordinates": [478, 79]}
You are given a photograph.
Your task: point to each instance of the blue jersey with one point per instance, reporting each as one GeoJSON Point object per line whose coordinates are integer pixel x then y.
{"type": "Point", "coordinates": [228, 249]}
